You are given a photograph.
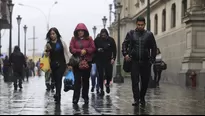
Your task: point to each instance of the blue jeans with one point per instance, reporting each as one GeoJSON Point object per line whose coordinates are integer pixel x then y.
{"type": "Point", "coordinates": [94, 76]}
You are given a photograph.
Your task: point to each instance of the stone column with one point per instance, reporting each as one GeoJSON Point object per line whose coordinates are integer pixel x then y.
{"type": "Point", "coordinates": [195, 42]}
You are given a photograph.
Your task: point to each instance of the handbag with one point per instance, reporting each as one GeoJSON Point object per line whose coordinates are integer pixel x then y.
{"type": "Point", "coordinates": [74, 61]}
{"type": "Point", "coordinates": [45, 63]}
{"type": "Point", "coordinates": [163, 65]}
{"type": "Point", "coordinates": [83, 65]}
{"type": "Point", "coordinates": [127, 66]}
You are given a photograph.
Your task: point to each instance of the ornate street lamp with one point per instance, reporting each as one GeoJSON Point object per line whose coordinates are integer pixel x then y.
{"type": "Point", "coordinates": [104, 21]}
{"type": "Point", "coordinates": [25, 30]}
{"type": "Point", "coordinates": [10, 7]}
{"type": "Point", "coordinates": [118, 77]}
{"type": "Point", "coordinates": [19, 23]}
{"type": "Point", "coordinates": [94, 31]}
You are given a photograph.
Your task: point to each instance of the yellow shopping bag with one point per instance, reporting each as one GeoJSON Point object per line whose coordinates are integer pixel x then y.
{"type": "Point", "coordinates": [45, 63]}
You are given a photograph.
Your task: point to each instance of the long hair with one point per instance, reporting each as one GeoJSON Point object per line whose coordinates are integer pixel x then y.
{"type": "Point", "coordinates": [48, 38]}
{"type": "Point", "coordinates": [86, 34]}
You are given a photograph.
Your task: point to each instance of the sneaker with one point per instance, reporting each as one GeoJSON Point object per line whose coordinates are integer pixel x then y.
{"type": "Point", "coordinates": [142, 102]}
{"type": "Point", "coordinates": [108, 89]}
{"type": "Point", "coordinates": [136, 103]}
{"type": "Point", "coordinates": [92, 89]}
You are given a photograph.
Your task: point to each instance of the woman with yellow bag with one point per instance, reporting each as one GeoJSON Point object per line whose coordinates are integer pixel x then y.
{"type": "Point", "coordinates": [57, 52]}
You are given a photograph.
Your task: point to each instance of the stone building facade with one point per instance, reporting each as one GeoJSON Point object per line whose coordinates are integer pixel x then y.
{"type": "Point", "coordinates": [179, 29]}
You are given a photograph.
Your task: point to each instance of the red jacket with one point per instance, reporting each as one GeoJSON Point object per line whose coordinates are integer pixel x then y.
{"type": "Point", "coordinates": [87, 43]}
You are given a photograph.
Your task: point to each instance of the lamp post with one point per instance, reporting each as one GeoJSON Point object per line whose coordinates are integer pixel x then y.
{"type": "Point", "coordinates": [104, 21]}
{"type": "Point", "coordinates": [25, 30]}
{"type": "Point", "coordinates": [50, 14]}
{"type": "Point", "coordinates": [118, 77]}
{"type": "Point", "coordinates": [148, 15]}
{"type": "Point", "coordinates": [0, 42]}
{"type": "Point", "coordinates": [47, 19]}
{"type": "Point", "coordinates": [19, 23]}
{"type": "Point", "coordinates": [10, 7]}
{"type": "Point", "coordinates": [110, 8]}
{"type": "Point", "coordinates": [94, 31]}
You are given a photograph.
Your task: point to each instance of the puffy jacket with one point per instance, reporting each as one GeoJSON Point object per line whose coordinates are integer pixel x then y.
{"type": "Point", "coordinates": [87, 43]}
{"type": "Point", "coordinates": [138, 45]}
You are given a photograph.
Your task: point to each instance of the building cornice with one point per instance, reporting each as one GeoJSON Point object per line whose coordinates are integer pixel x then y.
{"type": "Point", "coordinates": [144, 10]}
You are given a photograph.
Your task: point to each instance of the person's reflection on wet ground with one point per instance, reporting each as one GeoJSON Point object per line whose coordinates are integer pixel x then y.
{"type": "Point", "coordinates": [76, 109]}
{"type": "Point", "coordinates": [136, 110]}
{"type": "Point", "coordinates": [85, 108]}
{"type": "Point", "coordinates": [141, 110]}
{"type": "Point", "coordinates": [57, 109]}
{"type": "Point", "coordinates": [108, 101]}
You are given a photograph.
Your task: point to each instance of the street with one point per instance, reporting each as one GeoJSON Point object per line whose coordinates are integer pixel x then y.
{"type": "Point", "coordinates": [34, 100]}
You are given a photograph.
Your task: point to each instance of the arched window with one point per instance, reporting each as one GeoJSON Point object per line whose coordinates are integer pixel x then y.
{"type": "Point", "coordinates": [164, 20]}
{"type": "Point", "coordinates": [184, 7]}
{"type": "Point", "coordinates": [156, 24]}
{"type": "Point", "coordinates": [173, 16]}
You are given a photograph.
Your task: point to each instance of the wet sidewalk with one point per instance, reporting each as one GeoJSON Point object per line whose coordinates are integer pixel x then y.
{"type": "Point", "coordinates": [34, 100]}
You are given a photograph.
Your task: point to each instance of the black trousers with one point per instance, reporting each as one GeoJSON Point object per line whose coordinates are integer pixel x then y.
{"type": "Point", "coordinates": [157, 74]}
{"type": "Point", "coordinates": [143, 70]}
{"type": "Point", "coordinates": [18, 77]}
{"type": "Point", "coordinates": [81, 78]}
{"type": "Point", "coordinates": [57, 75]}
{"type": "Point", "coordinates": [104, 70]}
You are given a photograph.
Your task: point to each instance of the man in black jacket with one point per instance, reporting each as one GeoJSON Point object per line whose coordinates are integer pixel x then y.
{"type": "Point", "coordinates": [136, 49]}
{"type": "Point", "coordinates": [105, 57]}
{"type": "Point", "coordinates": [17, 61]}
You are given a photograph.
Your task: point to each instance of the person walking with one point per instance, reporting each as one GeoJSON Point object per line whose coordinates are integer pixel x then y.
{"type": "Point", "coordinates": [136, 49]}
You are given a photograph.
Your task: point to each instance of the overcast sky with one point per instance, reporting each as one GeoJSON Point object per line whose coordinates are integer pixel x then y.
{"type": "Point", "coordinates": [65, 15]}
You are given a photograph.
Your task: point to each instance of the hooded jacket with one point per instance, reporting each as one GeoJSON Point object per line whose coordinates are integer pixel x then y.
{"type": "Point", "coordinates": [107, 46]}
{"type": "Point", "coordinates": [77, 44]}
{"type": "Point", "coordinates": [17, 60]}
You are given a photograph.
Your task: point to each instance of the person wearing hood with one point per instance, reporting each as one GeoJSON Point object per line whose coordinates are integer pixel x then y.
{"type": "Point", "coordinates": [82, 46]}
{"type": "Point", "coordinates": [17, 61]}
{"type": "Point", "coordinates": [105, 57]}
{"type": "Point", "coordinates": [57, 51]}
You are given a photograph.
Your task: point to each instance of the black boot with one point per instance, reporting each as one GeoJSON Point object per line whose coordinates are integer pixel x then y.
{"type": "Point", "coordinates": [142, 101]}
{"type": "Point", "coordinates": [136, 103]}
{"type": "Point", "coordinates": [92, 89]}
{"type": "Point", "coordinates": [57, 98]}
{"type": "Point", "coordinates": [48, 87]}
{"type": "Point", "coordinates": [107, 88]}
{"type": "Point", "coordinates": [75, 101]}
